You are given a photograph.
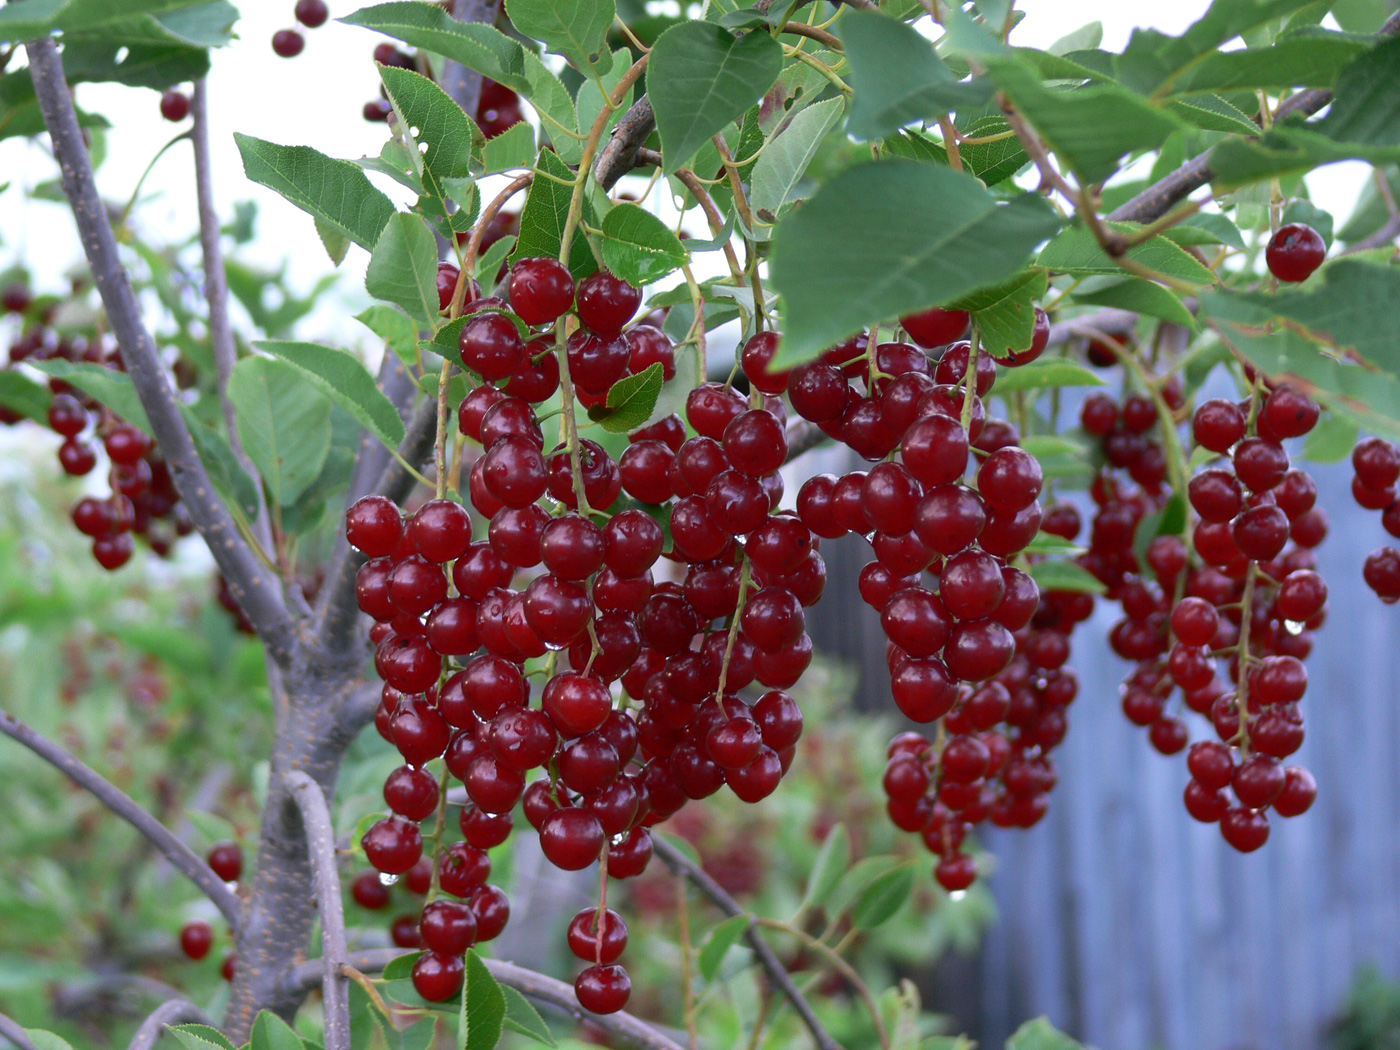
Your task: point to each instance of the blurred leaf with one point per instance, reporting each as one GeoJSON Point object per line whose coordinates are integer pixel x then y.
{"type": "Point", "coordinates": [401, 967]}
{"type": "Point", "coordinates": [346, 381]}
{"type": "Point", "coordinates": [284, 421]}
{"type": "Point", "coordinates": [1206, 228]}
{"type": "Point", "coordinates": [884, 897]}
{"type": "Point", "coordinates": [200, 1037]}
{"type": "Point", "coordinates": [887, 238]}
{"type": "Point", "coordinates": [1040, 1034]}
{"type": "Point", "coordinates": [1310, 214]}
{"type": "Point", "coordinates": [475, 45]}
{"type": "Point", "coordinates": [639, 247]}
{"type": "Point", "coordinates": [1141, 297]}
{"type": "Point", "coordinates": [831, 863]}
{"type": "Point", "coordinates": [700, 78]}
{"type": "Point", "coordinates": [334, 191]}
{"type": "Point", "coordinates": [1332, 440]}
{"type": "Point", "coordinates": [114, 389]}
{"type": "Point", "coordinates": [897, 76]}
{"type": "Point", "coordinates": [1367, 104]}
{"type": "Point", "coordinates": [717, 945]}
{"type": "Point", "coordinates": [1064, 576]}
{"type": "Point", "coordinates": [1171, 520]}
{"type": "Point", "coordinates": [21, 394]}
{"type": "Point", "coordinates": [43, 1040]}
{"type": "Point", "coordinates": [1076, 252]}
{"type": "Point", "coordinates": [397, 331]}
{"type": "Point", "coordinates": [270, 1032]}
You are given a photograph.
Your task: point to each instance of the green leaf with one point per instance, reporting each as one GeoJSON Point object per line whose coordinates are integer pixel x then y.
{"type": "Point", "coordinates": [1064, 576]}
{"type": "Point", "coordinates": [1332, 440]}
{"type": "Point", "coordinates": [830, 865]}
{"type": "Point", "coordinates": [632, 399]}
{"type": "Point", "coordinates": [403, 267]}
{"type": "Point", "coordinates": [45, 1040]}
{"type": "Point", "coordinates": [1085, 38]}
{"type": "Point", "coordinates": [897, 77]}
{"type": "Point", "coordinates": [1091, 127]}
{"type": "Point", "coordinates": [992, 162]}
{"type": "Point", "coordinates": [1044, 373]}
{"type": "Point", "coordinates": [884, 239]}
{"type": "Point", "coordinates": [1286, 150]}
{"type": "Point", "coordinates": [1366, 108]}
{"type": "Point", "coordinates": [398, 332]}
{"type": "Point", "coordinates": [1312, 58]}
{"type": "Point", "coordinates": [543, 217]}
{"type": "Point", "coordinates": [199, 1037]}
{"type": "Point", "coordinates": [639, 247]}
{"type": "Point", "coordinates": [522, 1017]}
{"type": "Point", "coordinates": [21, 394]}
{"type": "Point", "coordinates": [784, 160]}
{"type": "Point", "coordinates": [1205, 228]}
{"type": "Point", "coordinates": [717, 945]}
{"type": "Point", "coordinates": [334, 191]}
{"type": "Point", "coordinates": [488, 264]}
{"type": "Point", "coordinates": [285, 424]}
{"type": "Point", "coordinates": [591, 95]}
{"type": "Point", "coordinates": [337, 245]}
{"type": "Point", "coordinates": [555, 105]}
{"type": "Point", "coordinates": [511, 150]}
{"type": "Point", "coordinates": [346, 381]}
{"type": "Point", "coordinates": [483, 1008]}
{"type": "Point", "coordinates": [577, 29]}
{"type": "Point", "coordinates": [20, 22]}
{"type": "Point", "coordinates": [702, 77]}
{"type": "Point", "coordinates": [452, 138]}
{"type": "Point", "coordinates": [1310, 214]}
{"type": "Point", "coordinates": [1076, 252]}
{"type": "Point", "coordinates": [475, 45]}
{"type": "Point", "coordinates": [114, 389]}
{"type": "Point", "coordinates": [1005, 314]}
{"type": "Point", "coordinates": [1169, 521]}
{"type": "Point", "coordinates": [402, 966]}
{"type": "Point", "coordinates": [1040, 1034]}
{"type": "Point", "coordinates": [678, 388]}
{"type": "Point", "coordinates": [1139, 296]}
{"type": "Point", "coordinates": [884, 897]}
{"type": "Point", "coordinates": [224, 469]}
{"type": "Point", "coordinates": [1213, 113]}
{"type": "Point", "coordinates": [270, 1032]}
{"type": "Point", "coordinates": [1339, 305]}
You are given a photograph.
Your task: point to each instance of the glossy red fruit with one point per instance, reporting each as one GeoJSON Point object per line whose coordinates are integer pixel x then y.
{"type": "Point", "coordinates": [758, 351]}
{"type": "Point", "coordinates": [441, 530]}
{"type": "Point", "coordinates": [196, 938]}
{"type": "Point", "coordinates": [464, 868]}
{"type": "Point", "coordinates": [447, 927]}
{"type": "Point", "coordinates": [393, 845]}
{"type": "Point", "coordinates": [374, 525]}
{"type": "Point", "coordinates": [368, 892]}
{"type": "Point", "coordinates": [1294, 252]}
{"type": "Point", "coordinates": [1218, 424]}
{"type": "Point", "coordinates": [606, 303]}
{"type": "Point", "coordinates": [603, 989]}
{"type": "Point", "coordinates": [1245, 829]}
{"type": "Point", "coordinates": [594, 941]}
{"type": "Point", "coordinates": [571, 838]}
{"type": "Point", "coordinates": [437, 978]}
{"type": "Point", "coordinates": [226, 859]}
{"type": "Point", "coordinates": [1299, 792]}
{"type": "Point", "coordinates": [935, 327]}
{"type": "Point", "coordinates": [288, 43]}
{"type": "Point", "coordinates": [491, 346]}
{"type": "Point", "coordinates": [955, 872]}
{"type": "Point", "coordinates": [174, 106]}
{"type": "Point", "coordinates": [411, 792]}
{"type": "Point", "coordinates": [541, 289]}
{"type": "Point", "coordinates": [312, 13]}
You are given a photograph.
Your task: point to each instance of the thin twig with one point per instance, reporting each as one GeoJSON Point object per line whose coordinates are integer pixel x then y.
{"type": "Point", "coordinates": [320, 845]}
{"type": "Point", "coordinates": [123, 806]}
{"type": "Point", "coordinates": [14, 1032]}
{"type": "Point", "coordinates": [533, 985]}
{"type": "Point", "coordinates": [680, 863]}
{"type": "Point", "coordinates": [257, 588]}
{"type": "Point", "coordinates": [177, 1011]}
{"type": "Point", "coordinates": [1385, 235]}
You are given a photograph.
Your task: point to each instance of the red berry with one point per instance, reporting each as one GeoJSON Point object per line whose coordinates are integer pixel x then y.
{"type": "Point", "coordinates": [594, 944]}
{"type": "Point", "coordinates": [369, 892]}
{"type": "Point", "coordinates": [312, 13]}
{"type": "Point", "coordinates": [227, 861]}
{"type": "Point", "coordinates": [935, 327]}
{"type": "Point", "coordinates": [1294, 252]}
{"type": "Point", "coordinates": [288, 43]}
{"type": "Point", "coordinates": [603, 989]}
{"type": "Point", "coordinates": [541, 289]}
{"type": "Point", "coordinates": [447, 927]}
{"type": "Point", "coordinates": [437, 978]}
{"type": "Point", "coordinates": [606, 303]}
{"type": "Point", "coordinates": [196, 938]}
{"type": "Point", "coordinates": [174, 106]}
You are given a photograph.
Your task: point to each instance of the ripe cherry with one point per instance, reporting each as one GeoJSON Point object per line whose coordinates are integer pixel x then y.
{"type": "Point", "coordinates": [447, 927]}
{"type": "Point", "coordinates": [312, 13]}
{"type": "Point", "coordinates": [288, 43]}
{"type": "Point", "coordinates": [603, 989]}
{"type": "Point", "coordinates": [491, 346]}
{"type": "Point", "coordinates": [437, 978]}
{"type": "Point", "coordinates": [594, 941]}
{"type": "Point", "coordinates": [935, 327]}
{"type": "Point", "coordinates": [1294, 252]}
{"type": "Point", "coordinates": [571, 838]}
{"type": "Point", "coordinates": [393, 845]}
{"type": "Point", "coordinates": [541, 289]}
{"type": "Point", "coordinates": [369, 893]}
{"type": "Point", "coordinates": [196, 938]}
{"type": "Point", "coordinates": [758, 351]}
{"type": "Point", "coordinates": [174, 106]}
{"type": "Point", "coordinates": [606, 303]}
{"type": "Point", "coordinates": [226, 859]}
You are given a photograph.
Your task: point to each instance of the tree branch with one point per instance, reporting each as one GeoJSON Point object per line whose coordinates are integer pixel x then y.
{"type": "Point", "coordinates": [14, 1032]}
{"type": "Point", "coordinates": [177, 1011]}
{"type": "Point", "coordinates": [123, 806]}
{"type": "Point", "coordinates": [463, 84]}
{"type": "Point", "coordinates": [256, 587]}
{"type": "Point", "coordinates": [320, 844]}
{"type": "Point", "coordinates": [782, 980]}
{"type": "Point", "coordinates": [1155, 201]}
{"type": "Point", "coordinates": [533, 985]}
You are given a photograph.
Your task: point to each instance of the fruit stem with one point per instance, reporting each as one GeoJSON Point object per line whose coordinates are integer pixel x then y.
{"type": "Point", "coordinates": [687, 968]}
{"type": "Point", "coordinates": [600, 917]}
{"type": "Point", "coordinates": [1242, 689]}
{"type": "Point", "coordinates": [691, 181]}
{"type": "Point", "coordinates": [744, 582]}
{"type": "Point", "coordinates": [440, 443]}
{"type": "Point", "coordinates": [439, 829]}
{"type": "Point", "coordinates": [478, 232]}
{"type": "Point", "coordinates": [970, 378]}
{"type": "Point", "coordinates": [950, 142]}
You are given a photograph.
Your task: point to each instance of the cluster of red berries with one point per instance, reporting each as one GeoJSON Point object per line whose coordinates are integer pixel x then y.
{"type": "Point", "coordinates": [1376, 463]}
{"type": "Point", "coordinates": [1250, 595]}
{"type": "Point", "coordinates": [951, 647]}
{"type": "Point", "coordinates": [197, 936]}
{"type": "Point", "coordinates": [143, 501]}
{"type": "Point", "coordinates": [288, 43]}
{"type": "Point", "coordinates": [647, 714]}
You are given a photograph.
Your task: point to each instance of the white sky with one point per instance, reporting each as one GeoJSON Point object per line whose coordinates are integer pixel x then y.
{"type": "Point", "coordinates": [315, 99]}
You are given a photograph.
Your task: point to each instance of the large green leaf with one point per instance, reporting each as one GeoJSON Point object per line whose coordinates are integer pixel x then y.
{"type": "Point", "coordinates": [1077, 252]}
{"type": "Point", "coordinates": [1286, 150]}
{"type": "Point", "coordinates": [452, 140]}
{"type": "Point", "coordinates": [577, 29]}
{"type": "Point", "coordinates": [403, 267]}
{"type": "Point", "coordinates": [200, 1037]}
{"type": "Point", "coordinates": [1311, 59]}
{"type": "Point", "coordinates": [21, 22]}
{"type": "Point", "coordinates": [346, 381]}
{"type": "Point", "coordinates": [475, 45]}
{"type": "Point", "coordinates": [1139, 296]}
{"type": "Point", "coordinates": [1044, 373]}
{"type": "Point", "coordinates": [897, 77]}
{"type": "Point", "coordinates": [522, 1017]}
{"type": "Point", "coordinates": [702, 77]}
{"type": "Point", "coordinates": [1341, 306]}
{"type": "Point", "coordinates": [1367, 104]}
{"type": "Point", "coordinates": [21, 394]}
{"type": "Point", "coordinates": [270, 1032]}
{"type": "Point", "coordinates": [285, 424]}
{"type": "Point", "coordinates": [717, 944]}
{"type": "Point", "coordinates": [889, 238]}
{"type": "Point", "coordinates": [334, 191]}
{"type": "Point", "coordinates": [114, 389]}
{"type": "Point", "coordinates": [544, 215]}
{"type": "Point", "coordinates": [631, 400]}
{"type": "Point", "coordinates": [156, 67]}
{"type": "Point", "coordinates": [1005, 313]}
{"type": "Point", "coordinates": [483, 1008]}
{"type": "Point", "coordinates": [884, 897]}
{"type": "Point", "coordinates": [639, 247]}
{"type": "Point", "coordinates": [1091, 127]}
{"type": "Point", "coordinates": [784, 160]}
